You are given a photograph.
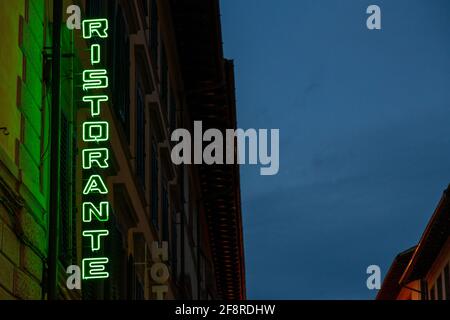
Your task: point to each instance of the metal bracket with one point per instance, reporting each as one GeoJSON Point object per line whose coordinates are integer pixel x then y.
{"type": "Point", "coordinates": [5, 131]}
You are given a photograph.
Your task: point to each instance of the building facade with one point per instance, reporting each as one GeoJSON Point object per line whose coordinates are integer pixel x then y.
{"type": "Point", "coordinates": [24, 139]}
{"type": "Point", "coordinates": [423, 271]}
{"type": "Point", "coordinates": [165, 69]}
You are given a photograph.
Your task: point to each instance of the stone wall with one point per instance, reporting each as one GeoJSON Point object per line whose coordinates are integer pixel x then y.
{"type": "Point", "coordinates": [24, 159]}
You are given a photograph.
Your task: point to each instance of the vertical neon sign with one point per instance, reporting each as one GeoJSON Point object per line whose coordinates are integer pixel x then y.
{"type": "Point", "coordinates": [95, 157]}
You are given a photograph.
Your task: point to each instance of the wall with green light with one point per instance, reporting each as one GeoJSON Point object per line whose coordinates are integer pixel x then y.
{"type": "Point", "coordinates": [24, 156]}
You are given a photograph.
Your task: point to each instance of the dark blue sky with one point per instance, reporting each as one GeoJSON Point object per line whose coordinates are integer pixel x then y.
{"type": "Point", "coordinates": [364, 137]}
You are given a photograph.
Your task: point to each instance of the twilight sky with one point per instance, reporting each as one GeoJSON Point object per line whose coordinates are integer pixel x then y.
{"type": "Point", "coordinates": [364, 137]}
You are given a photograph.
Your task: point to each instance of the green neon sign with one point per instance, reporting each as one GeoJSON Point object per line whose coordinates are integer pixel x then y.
{"type": "Point", "coordinates": [95, 131]}
{"type": "Point", "coordinates": [95, 184]}
{"type": "Point", "coordinates": [95, 236]}
{"type": "Point", "coordinates": [95, 102]}
{"type": "Point", "coordinates": [95, 28]}
{"type": "Point", "coordinates": [95, 268]}
{"type": "Point", "coordinates": [100, 212]}
{"type": "Point", "coordinates": [95, 54]}
{"type": "Point", "coordinates": [95, 79]}
{"type": "Point", "coordinates": [95, 156]}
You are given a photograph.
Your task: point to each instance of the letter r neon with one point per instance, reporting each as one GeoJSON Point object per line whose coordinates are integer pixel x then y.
{"type": "Point", "coordinates": [95, 157]}
{"type": "Point", "coordinates": [95, 27]}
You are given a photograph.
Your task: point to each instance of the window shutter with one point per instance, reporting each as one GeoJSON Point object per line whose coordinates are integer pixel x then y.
{"type": "Point", "coordinates": [121, 79]}
{"type": "Point", "coordinates": [439, 288]}
{"type": "Point", "coordinates": [164, 80]}
{"type": "Point", "coordinates": [165, 214]}
{"type": "Point", "coordinates": [447, 281]}
{"type": "Point", "coordinates": [172, 111]}
{"type": "Point", "coordinates": [117, 256]}
{"type": "Point", "coordinates": [140, 137]}
{"type": "Point", "coordinates": [154, 33]}
{"type": "Point", "coordinates": [130, 278]}
{"type": "Point", "coordinates": [74, 199]}
{"type": "Point", "coordinates": [154, 213]}
{"type": "Point", "coordinates": [174, 245]}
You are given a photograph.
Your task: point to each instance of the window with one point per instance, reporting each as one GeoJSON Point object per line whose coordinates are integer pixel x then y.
{"type": "Point", "coordinates": [164, 80]}
{"type": "Point", "coordinates": [121, 71]}
{"type": "Point", "coordinates": [140, 137]}
{"type": "Point", "coordinates": [447, 281]}
{"type": "Point", "coordinates": [203, 290]}
{"type": "Point", "coordinates": [174, 245]}
{"type": "Point", "coordinates": [131, 277]}
{"type": "Point", "coordinates": [441, 287]}
{"type": "Point", "coordinates": [195, 228]}
{"type": "Point", "coordinates": [165, 214]}
{"type": "Point", "coordinates": [154, 32]}
{"type": "Point", "coordinates": [139, 290]}
{"type": "Point", "coordinates": [432, 293]}
{"type": "Point", "coordinates": [110, 41]}
{"type": "Point", "coordinates": [91, 290]}
{"type": "Point", "coordinates": [93, 8]}
{"type": "Point", "coordinates": [154, 198]}
{"type": "Point", "coordinates": [145, 6]}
